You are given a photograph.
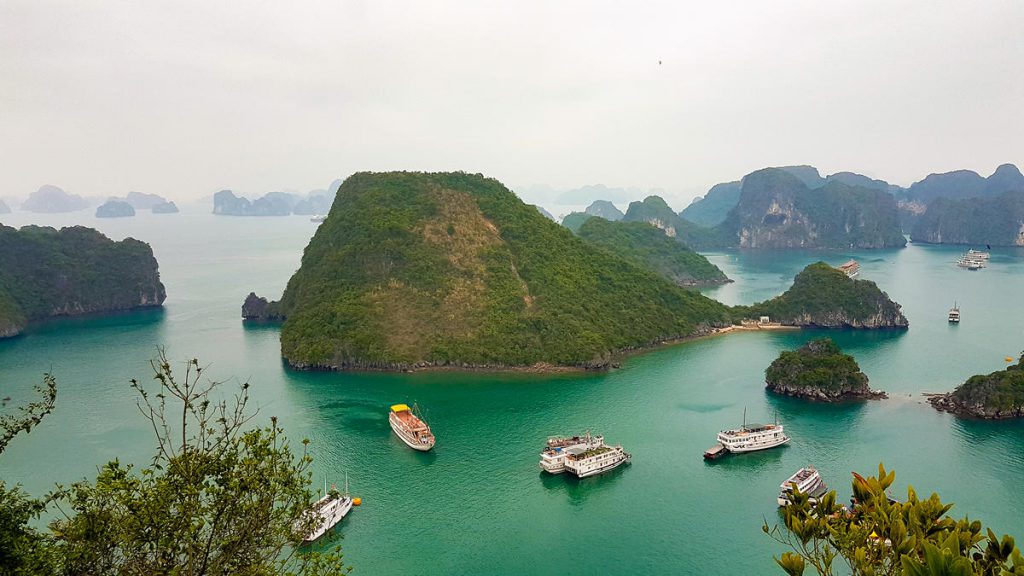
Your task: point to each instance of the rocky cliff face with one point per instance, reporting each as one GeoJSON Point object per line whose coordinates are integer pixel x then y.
{"type": "Point", "coordinates": [259, 309]}
{"type": "Point", "coordinates": [819, 371]}
{"type": "Point", "coordinates": [46, 273]}
{"type": "Point", "coordinates": [777, 210]}
{"type": "Point", "coordinates": [998, 221]}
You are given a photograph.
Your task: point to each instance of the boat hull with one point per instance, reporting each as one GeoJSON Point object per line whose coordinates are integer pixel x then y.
{"type": "Point", "coordinates": [331, 511]}
{"type": "Point", "coordinates": [607, 468]}
{"type": "Point", "coordinates": [410, 441]}
{"type": "Point", "coordinates": [758, 447]}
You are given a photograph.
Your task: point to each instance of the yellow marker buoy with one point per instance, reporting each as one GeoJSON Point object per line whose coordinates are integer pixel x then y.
{"type": "Point", "coordinates": [357, 501]}
{"type": "Point", "coordinates": [1008, 358]}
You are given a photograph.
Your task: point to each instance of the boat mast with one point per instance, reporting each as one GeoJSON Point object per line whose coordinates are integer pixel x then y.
{"type": "Point", "coordinates": [346, 483]}
{"type": "Point", "coordinates": [744, 418]}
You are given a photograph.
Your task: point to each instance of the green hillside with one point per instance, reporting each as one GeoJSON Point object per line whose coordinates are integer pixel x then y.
{"type": "Point", "coordinates": [647, 246]}
{"type": "Point", "coordinates": [825, 297]}
{"type": "Point", "coordinates": [45, 272]}
{"type": "Point", "coordinates": [452, 268]}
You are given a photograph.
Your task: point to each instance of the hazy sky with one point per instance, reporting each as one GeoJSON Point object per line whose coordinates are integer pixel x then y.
{"type": "Point", "coordinates": [184, 98]}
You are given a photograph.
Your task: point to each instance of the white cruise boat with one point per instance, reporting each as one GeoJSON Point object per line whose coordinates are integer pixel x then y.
{"type": "Point", "coordinates": [410, 429]}
{"type": "Point", "coordinates": [977, 254]}
{"type": "Point", "coordinates": [582, 462]}
{"type": "Point", "coordinates": [752, 437]}
{"type": "Point", "coordinates": [954, 314]}
{"type": "Point", "coordinates": [552, 458]}
{"type": "Point", "coordinates": [807, 481]}
{"type": "Point", "coordinates": [327, 511]}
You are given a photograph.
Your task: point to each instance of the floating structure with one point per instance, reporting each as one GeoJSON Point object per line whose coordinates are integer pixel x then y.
{"type": "Point", "coordinates": [552, 458]}
{"type": "Point", "coordinates": [582, 462]}
{"type": "Point", "coordinates": [752, 437]}
{"type": "Point", "coordinates": [973, 260]}
{"type": "Point", "coordinates": [327, 511]}
{"type": "Point", "coordinates": [410, 428]}
{"type": "Point", "coordinates": [954, 314]}
{"type": "Point", "coordinates": [851, 269]}
{"type": "Point", "coordinates": [807, 481]}
{"type": "Point", "coordinates": [715, 452]}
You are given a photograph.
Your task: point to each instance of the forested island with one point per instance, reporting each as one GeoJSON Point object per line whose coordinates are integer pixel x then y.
{"type": "Point", "coordinates": [46, 273]}
{"type": "Point", "coordinates": [824, 297]}
{"type": "Point", "coordinates": [820, 371]}
{"type": "Point", "coordinates": [995, 396]}
{"type": "Point", "coordinates": [452, 269]}
{"type": "Point", "coordinates": [114, 208]}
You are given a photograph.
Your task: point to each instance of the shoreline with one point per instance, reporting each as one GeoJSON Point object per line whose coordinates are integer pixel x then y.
{"type": "Point", "coordinates": [615, 357]}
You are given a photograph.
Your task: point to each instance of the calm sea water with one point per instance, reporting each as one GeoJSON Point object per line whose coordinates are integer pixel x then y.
{"type": "Point", "coordinates": [478, 503]}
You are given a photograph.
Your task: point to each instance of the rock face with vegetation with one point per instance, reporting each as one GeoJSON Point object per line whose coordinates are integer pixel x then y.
{"type": "Point", "coordinates": [997, 220]}
{"type": "Point", "coordinates": [820, 371]}
{"type": "Point", "coordinates": [604, 209]}
{"type": "Point", "coordinates": [964, 184]}
{"type": "Point", "coordinates": [712, 209]}
{"type": "Point", "coordinates": [994, 396]}
{"type": "Point", "coordinates": [656, 212]}
{"type": "Point", "coordinates": [574, 220]}
{"type": "Point", "coordinates": [777, 210]}
{"type": "Point", "coordinates": [649, 247]}
{"type": "Point", "coordinates": [452, 269]}
{"type": "Point", "coordinates": [822, 296]}
{"type": "Point", "coordinates": [272, 204]}
{"type": "Point", "coordinates": [115, 209]}
{"type": "Point", "coordinates": [46, 273]}
{"type": "Point", "coordinates": [51, 199]}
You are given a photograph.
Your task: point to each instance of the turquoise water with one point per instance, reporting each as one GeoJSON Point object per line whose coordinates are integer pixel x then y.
{"type": "Point", "coordinates": [478, 503]}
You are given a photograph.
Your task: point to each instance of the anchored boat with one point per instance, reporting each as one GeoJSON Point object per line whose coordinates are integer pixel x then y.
{"type": "Point", "coordinates": [327, 511]}
{"type": "Point", "coordinates": [410, 428]}
{"type": "Point", "coordinates": [954, 314]}
{"type": "Point", "coordinates": [582, 462]}
{"type": "Point", "coordinates": [752, 437]}
{"type": "Point", "coordinates": [807, 481]}
{"type": "Point", "coordinates": [552, 458]}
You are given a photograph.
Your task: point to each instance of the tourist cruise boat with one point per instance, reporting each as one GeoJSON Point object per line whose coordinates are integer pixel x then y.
{"type": "Point", "coordinates": [977, 254]}
{"type": "Point", "coordinates": [407, 426]}
{"type": "Point", "coordinates": [552, 458]}
{"type": "Point", "coordinates": [328, 511]}
{"type": "Point", "coordinates": [954, 314]}
{"type": "Point", "coordinates": [752, 437]}
{"type": "Point", "coordinates": [582, 462]}
{"type": "Point", "coordinates": [851, 269]}
{"type": "Point", "coordinates": [973, 260]}
{"type": "Point", "coordinates": [807, 481]}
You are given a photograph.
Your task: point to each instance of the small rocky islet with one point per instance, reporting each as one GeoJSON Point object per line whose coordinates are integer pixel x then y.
{"type": "Point", "coordinates": [998, 395]}
{"type": "Point", "coordinates": [819, 371]}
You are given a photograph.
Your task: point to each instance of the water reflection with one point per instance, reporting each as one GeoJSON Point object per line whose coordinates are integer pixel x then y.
{"type": "Point", "coordinates": [579, 490]}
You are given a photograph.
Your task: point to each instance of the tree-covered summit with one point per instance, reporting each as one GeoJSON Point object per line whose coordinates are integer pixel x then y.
{"type": "Point", "coordinates": [453, 269]}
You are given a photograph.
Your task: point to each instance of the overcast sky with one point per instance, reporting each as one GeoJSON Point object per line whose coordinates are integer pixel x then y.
{"type": "Point", "coordinates": [184, 98]}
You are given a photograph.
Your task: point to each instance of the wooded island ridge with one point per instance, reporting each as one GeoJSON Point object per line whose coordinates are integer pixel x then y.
{"type": "Point", "coordinates": [417, 270]}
